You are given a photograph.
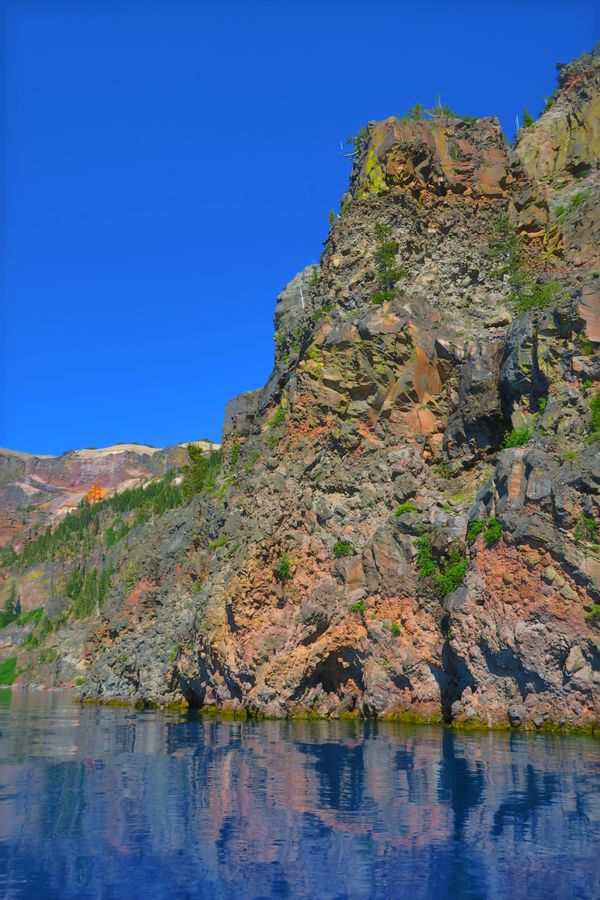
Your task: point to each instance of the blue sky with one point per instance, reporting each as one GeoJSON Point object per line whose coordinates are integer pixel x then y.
{"type": "Point", "coordinates": [169, 166]}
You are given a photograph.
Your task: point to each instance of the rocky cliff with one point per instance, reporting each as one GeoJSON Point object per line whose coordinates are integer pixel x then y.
{"type": "Point", "coordinates": [38, 491]}
{"type": "Point", "coordinates": [405, 522]}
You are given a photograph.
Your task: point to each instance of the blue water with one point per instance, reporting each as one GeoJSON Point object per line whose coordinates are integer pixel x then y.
{"type": "Point", "coordinates": [115, 803]}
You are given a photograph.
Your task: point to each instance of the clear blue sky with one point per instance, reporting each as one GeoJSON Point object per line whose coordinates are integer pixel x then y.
{"type": "Point", "coordinates": [169, 166]}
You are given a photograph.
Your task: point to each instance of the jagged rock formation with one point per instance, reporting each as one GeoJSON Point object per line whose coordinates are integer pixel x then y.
{"type": "Point", "coordinates": [374, 548]}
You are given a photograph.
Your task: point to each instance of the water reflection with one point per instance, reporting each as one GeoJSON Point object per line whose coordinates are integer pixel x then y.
{"type": "Point", "coordinates": [99, 802]}
{"type": "Point", "coordinates": [461, 783]}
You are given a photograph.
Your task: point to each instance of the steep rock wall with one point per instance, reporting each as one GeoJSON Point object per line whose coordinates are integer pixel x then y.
{"type": "Point", "coordinates": [337, 569]}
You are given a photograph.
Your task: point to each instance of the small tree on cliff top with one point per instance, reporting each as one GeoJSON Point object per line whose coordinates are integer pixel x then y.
{"type": "Point", "coordinates": [200, 474]}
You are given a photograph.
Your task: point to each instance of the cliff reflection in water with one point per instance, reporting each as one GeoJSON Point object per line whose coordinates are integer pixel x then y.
{"type": "Point", "coordinates": [98, 802]}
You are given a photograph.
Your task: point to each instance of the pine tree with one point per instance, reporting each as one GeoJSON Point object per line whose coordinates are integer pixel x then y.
{"type": "Point", "coordinates": [527, 118]}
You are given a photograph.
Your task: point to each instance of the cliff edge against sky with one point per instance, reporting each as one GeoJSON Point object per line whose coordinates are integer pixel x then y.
{"type": "Point", "coordinates": [404, 520]}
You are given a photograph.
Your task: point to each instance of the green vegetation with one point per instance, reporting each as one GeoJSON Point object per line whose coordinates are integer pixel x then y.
{"type": "Point", "coordinates": [415, 113]}
{"type": "Point", "coordinates": [48, 655]}
{"type": "Point", "coordinates": [595, 417]}
{"type": "Point", "coordinates": [528, 119]}
{"type": "Point", "coordinates": [87, 589]}
{"type": "Point", "coordinates": [475, 529]}
{"type": "Point", "coordinates": [70, 535]}
{"type": "Point", "coordinates": [318, 314]}
{"type": "Point", "coordinates": [535, 295]}
{"type": "Point", "coordinates": [358, 607]}
{"type": "Point", "coordinates": [418, 112]}
{"type": "Point", "coordinates": [200, 474]}
{"type": "Point", "coordinates": [8, 670]}
{"type": "Point", "coordinates": [452, 573]}
{"type": "Point", "coordinates": [8, 555]}
{"type": "Point", "coordinates": [518, 437]}
{"type": "Point", "coordinates": [115, 532]}
{"type": "Point", "coordinates": [563, 212]}
{"type": "Point", "coordinates": [570, 454]}
{"type": "Point", "coordinates": [448, 573]}
{"type": "Point", "coordinates": [31, 641]}
{"type": "Point", "coordinates": [173, 653]}
{"type": "Point", "coordinates": [34, 615]}
{"type": "Point", "coordinates": [343, 548]}
{"type": "Point", "coordinates": [9, 613]}
{"type": "Point", "coordinates": [594, 614]}
{"type": "Point", "coordinates": [79, 681]}
{"type": "Point", "coordinates": [549, 101]}
{"type": "Point", "coordinates": [331, 217]}
{"type": "Point", "coordinates": [443, 469]}
{"type": "Point", "coordinates": [277, 418]}
{"type": "Point", "coordinates": [577, 199]}
{"type": "Point", "coordinates": [221, 541]}
{"type": "Point", "coordinates": [131, 576]}
{"type": "Point", "coordinates": [395, 629]}
{"type": "Point", "coordinates": [6, 618]}
{"type": "Point", "coordinates": [586, 529]}
{"type": "Point", "coordinates": [358, 140]}
{"type": "Point", "coordinates": [42, 628]}
{"type": "Point", "coordinates": [153, 500]}
{"type": "Point", "coordinates": [440, 111]}
{"type": "Point", "coordinates": [492, 529]}
{"type": "Point", "coordinates": [234, 455]}
{"type": "Point", "coordinates": [313, 280]}
{"type": "Point", "coordinates": [281, 353]}
{"type": "Point", "coordinates": [251, 461]}
{"type": "Point", "coordinates": [542, 403]}
{"type": "Point", "coordinates": [80, 529]}
{"type": "Point", "coordinates": [388, 274]}
{"type": "Point", "coordinates": [526, 293]}
{"type": "Point", "coordinates": [225, 485]}
{"type": "Point", "coordinates": [426, 564]}
{"type": "Point", "coordinates": [284, 568]}
{"type": "Point", "coordinates": [406, 507]}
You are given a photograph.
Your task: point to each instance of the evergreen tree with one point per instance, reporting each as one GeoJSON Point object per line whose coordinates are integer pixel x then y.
{"type": "Point", "coordinates": [527, 118]}
{"type": "Point", "coordinates": [10, 611]}
{"type": "Point", "coordinates": [201, 472]}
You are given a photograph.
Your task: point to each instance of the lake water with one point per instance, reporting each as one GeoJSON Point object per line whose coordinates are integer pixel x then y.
{"type": "Point", "coordinates": [116, 803]}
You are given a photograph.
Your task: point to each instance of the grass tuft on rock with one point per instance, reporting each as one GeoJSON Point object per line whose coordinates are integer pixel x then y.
{"type": "Point", "coordinates": [517, 438]}
{"type": "Point", "coordinates": [284, 568]}
{"type": "Point", "coordinates": [343, 548]}
{"type": "Point", "coordinates": [406, 507]}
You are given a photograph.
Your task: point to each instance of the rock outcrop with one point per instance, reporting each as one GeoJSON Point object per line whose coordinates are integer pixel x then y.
{"type": "Point", "coordinates": [406, 521]}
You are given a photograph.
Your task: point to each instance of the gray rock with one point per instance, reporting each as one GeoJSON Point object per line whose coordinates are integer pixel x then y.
{"type": "Point", "coordinates": [516, 714]}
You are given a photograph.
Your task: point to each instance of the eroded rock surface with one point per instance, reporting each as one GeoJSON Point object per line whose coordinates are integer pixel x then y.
{"type": "Point", "coordinates": [409, 400]}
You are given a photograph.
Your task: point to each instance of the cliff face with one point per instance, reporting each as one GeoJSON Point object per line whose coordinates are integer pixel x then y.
{"type": "Point", "coordinates": [406, 523]}
{"type": "Point", "coordinates": [61, 520]}
{"type": "Point", "coordinates": [37, 491]}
